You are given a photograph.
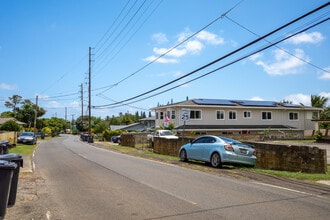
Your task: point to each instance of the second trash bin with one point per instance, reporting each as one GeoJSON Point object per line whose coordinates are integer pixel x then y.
{"type": "Point", "coordinates": [18, 160]}
{"type": "Point", "coordinates": [6, 173]}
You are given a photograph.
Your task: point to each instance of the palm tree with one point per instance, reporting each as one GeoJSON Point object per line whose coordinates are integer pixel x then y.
{"type": "Point", "coordinates": [320, 102]}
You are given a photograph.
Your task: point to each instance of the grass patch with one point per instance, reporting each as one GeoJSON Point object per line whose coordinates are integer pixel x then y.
{"type": "Point", "coordinates": [286, 174]}
{"type": "Point", "coordinates": [294, 175]}
{"type": "Point", "coordinates": [23, 149]}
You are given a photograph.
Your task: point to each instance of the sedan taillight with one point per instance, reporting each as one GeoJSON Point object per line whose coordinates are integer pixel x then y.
{"type": "Point", "coordinates": [229, 147]}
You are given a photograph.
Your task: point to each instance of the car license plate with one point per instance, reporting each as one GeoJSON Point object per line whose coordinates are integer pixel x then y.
{"type": "Point", "coordinates": [243, 151]}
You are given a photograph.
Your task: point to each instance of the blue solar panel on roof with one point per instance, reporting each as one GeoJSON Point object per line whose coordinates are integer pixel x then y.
{"type": "Point", "coordinates": [258, 103]}
{"type": "Point", "coordinates": [243, 103]}
{"type": "Point", "coordinates": [291, 105]}
{"type": "Point", "coordinates": [213, 102]}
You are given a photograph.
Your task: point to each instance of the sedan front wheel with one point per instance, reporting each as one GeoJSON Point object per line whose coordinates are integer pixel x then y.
{"type": "Point", "coordinates": [215, 160]}
{"type": "Point", "coordinates": [183, 155]}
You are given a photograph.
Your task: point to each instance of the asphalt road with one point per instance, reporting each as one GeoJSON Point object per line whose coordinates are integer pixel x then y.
{"type": "Point", "coordinates": [79, 181]}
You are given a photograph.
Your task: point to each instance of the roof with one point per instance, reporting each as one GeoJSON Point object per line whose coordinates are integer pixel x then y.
{"type": "Point", "coordinates": [237, 103]}
{"type": "Point", "coordinates": [4, 120]}
{"type": "Point", "coordinates": [130, 127]}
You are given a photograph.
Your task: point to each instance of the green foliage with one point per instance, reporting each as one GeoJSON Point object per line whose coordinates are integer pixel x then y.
{"type": "Point", "coordinates": [55, 124]}
{"type": "Point", "coordinates": [107, 134]}
{"type": "Point", "coordinates": [46, 130]}
{"type": "Point", "coordinates": [100, 127]}
{"type": "Point", "coordinates": [10, 125]}
{"type": "Point", "coordinates": [7, 114]}
{"type": "Point", "coordinates": [318, 136]}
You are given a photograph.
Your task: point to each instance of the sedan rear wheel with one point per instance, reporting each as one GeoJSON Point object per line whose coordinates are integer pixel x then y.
{"type": "Point", "coordinates": [183, 155]}
{"type": "Point", "coordinates": [215, 160]}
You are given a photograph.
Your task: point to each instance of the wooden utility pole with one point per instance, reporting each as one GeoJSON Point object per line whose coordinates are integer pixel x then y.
{"type": "Point", "coordinates": [82, 105]}
{"type": "Point", "coordinates": [89, 91]}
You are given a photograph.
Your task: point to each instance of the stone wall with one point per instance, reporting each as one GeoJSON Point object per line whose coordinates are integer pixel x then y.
{"type": "Point", "coordinates": [291, 158]}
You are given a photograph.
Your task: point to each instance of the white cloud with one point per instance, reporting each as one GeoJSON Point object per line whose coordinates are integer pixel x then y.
{"type": "Point", "coordinates": [5, 86]}
{"type": "Point", "coordinates": [305, 99]}
{"type": "Point", "coordinates": [256, 98]}
{"type": "Point", "coordinates": [160, 38]}
{"type": "Point", "coordinates": [192, 46]}
{"type": "Point", "coordinates": [314, 37]}
{"type": "Point", "coordinates": [325, 75]}
{"type": "Point", "coordinates": [285, 63]}
{"type": "Point", "coordinates": [299, 98]}
{"type": "Point", "coordinates": [175, 52]}
{"type": "Point", "coordinates": [160, 60]}
{"type": "Point", "coordinates": [210, 38]}
{"type": "Point", "coordinates": [255, 56]}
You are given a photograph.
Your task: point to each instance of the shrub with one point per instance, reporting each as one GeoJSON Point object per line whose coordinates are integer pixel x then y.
{"type": "Point", "coordinates": [318, 136]}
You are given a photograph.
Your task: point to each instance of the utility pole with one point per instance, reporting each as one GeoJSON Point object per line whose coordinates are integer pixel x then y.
{"type": "Point", "coordinates": [89, 91]}
{"type": "Point", "coordinates": [35, 117]}
{"type": "Point", "coordinates": [82, 105]}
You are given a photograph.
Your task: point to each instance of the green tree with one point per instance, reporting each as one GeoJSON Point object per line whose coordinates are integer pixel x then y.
{"type": "Point", "coordinates": [13, 102]}
{"type": "Point", "coordinates": [10, 125]}
{"type": "Point", "coordinates": [7, 114]}
{"type": "Point", "coordinates": [26, 112]}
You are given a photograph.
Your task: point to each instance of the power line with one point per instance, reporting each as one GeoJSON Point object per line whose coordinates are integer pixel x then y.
{"type": "Point", "coordinates": [221, 58]}
{"type": "Point", "coordinates": [162, 55]}
{"type": "Point", "coordinates": [222, 67]}
{"type": "Point", "coordinates": [129, 38]}
{"type": "Point", "coordinates": [282, 49]}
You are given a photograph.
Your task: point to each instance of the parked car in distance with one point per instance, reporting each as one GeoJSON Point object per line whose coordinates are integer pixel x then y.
{"type": "Point", "coordinates": [116, 139]}
{"type": "Point", "coordinates": [27, 138]}
{"type": "Point", "coordinates": [167, 134]}
{"type": "Point", "coordinates": [218, 150]}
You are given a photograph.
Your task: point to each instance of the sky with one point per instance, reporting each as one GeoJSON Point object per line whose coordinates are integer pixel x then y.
{"type": "Point", "coordinates": [146, 53]}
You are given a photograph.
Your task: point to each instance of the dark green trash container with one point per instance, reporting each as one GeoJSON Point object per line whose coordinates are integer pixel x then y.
{"type": "Point", "coordinates": [6, 173]}
{"type": "Point", "coordinates": [18, 160]}
{"type": "Point", "coordinates": [4, 147]}
{"type": "Point", "coordinates": [90, 139]}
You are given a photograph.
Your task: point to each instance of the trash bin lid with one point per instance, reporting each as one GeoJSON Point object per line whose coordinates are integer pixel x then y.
{"type": "Point", "coordinates": [12, 157]}
{"type": "Point", "coordinates": [3, 142]}
{"type": "Point", "coordinates": [6, 165]}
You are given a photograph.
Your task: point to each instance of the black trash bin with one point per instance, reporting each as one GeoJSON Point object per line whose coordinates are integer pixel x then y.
{"type": "Point", "coordinates": [18, 160]}
{"type": "Point", "coordinates": [90, 139]}
{"type": "Point", "coordinates": [4, 146]}
{"type": "Point", "coordinates": [6, 173]}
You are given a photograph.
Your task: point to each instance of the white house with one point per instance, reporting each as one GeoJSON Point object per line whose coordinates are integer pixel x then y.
{"type": "Point", "coordinates": [224, 116]}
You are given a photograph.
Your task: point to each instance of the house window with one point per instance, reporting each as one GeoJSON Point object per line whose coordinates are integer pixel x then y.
{"type": "Point", "coordinates": [220, 114]}
{"type": "Point", "coordinates": [293, 116]}
{"type": "Point", "coordinates": [232, 115]}
{"type": "Point", "coordinates": [161, 115]}
{"type": "Point", "coordinates": [266, 116]}
{"type": "Point", "coordinates": [195, 114]}
{"type": "Point", "coordinates": [157, 115]}
{"type": "Point", "coordinates": [173, 114]}
{"type": "Point", "coordinates": [247, 114]}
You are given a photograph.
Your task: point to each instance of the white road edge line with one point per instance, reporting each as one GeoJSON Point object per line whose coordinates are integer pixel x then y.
{"type": "Point", "coordinates": [288, 189]}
